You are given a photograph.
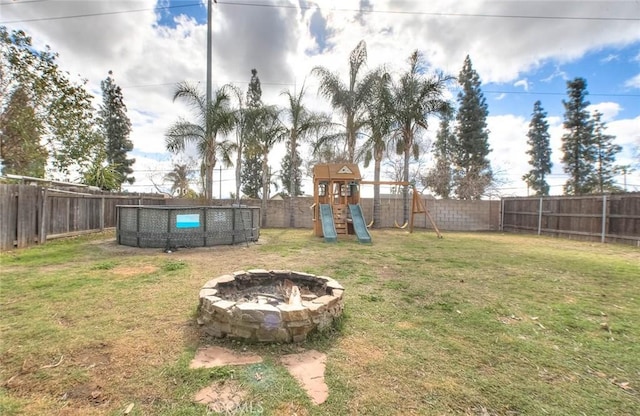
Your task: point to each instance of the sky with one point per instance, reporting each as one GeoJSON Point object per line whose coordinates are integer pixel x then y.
{"type": "Point", "coordinates": [523, 51]}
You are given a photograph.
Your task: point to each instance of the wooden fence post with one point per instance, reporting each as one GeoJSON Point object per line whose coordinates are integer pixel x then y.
{"type": "Point", "coordinates": [42, 238]}
{"type": "Point", "coordinates": [604, 218]}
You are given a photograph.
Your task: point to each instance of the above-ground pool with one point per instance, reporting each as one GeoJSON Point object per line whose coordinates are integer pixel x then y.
{"type": "Point", "coordinates": [171, 227]}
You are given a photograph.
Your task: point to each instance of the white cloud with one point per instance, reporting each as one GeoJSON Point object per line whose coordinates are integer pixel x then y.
{"type": "Point", "coordinates": [148, 59]}
{"type": "Point", "coordinates": [609, 110]}
{"type": "Point", "coordinates": [524, 83]}
{"type": "Point", "coordinates": [633, 82]}
{"type": "Point", "coordinates": [609, 58]}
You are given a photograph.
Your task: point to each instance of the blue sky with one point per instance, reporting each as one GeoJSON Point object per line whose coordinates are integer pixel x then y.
{"type": "Point", "coordinates": [523, 50]}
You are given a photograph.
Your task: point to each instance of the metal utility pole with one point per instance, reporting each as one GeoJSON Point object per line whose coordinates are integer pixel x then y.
{"type": "Point", "coordinates": [209, 7]}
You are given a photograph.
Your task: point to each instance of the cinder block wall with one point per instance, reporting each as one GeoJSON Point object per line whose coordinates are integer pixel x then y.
{"type": "Point", "coordinates": [448, 214]}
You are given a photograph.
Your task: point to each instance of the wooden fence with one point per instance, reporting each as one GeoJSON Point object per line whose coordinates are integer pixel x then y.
{"type": "Point", "coordinates": [605, 218]}
{"type": "Point", "coordinates": [32, 214]}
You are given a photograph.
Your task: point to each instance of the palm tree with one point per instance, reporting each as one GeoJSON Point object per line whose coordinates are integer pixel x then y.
{"type": "Point", "coordinates": [240, 115]}
{"type": "Point", "coordinates": [267, 130]}
{"type": "Point", "coordinates": [379, 122]}
{"type": "Point", "coordinates": [213, 119]}
{"type": "Point", "coordinates": [415, 98]}
{"type": "Point", "coordinates": [349, 100]}
{"type": "Point", "coordinates": [302, 124]}
{"type": "Point", "coordinates": [180, 178]}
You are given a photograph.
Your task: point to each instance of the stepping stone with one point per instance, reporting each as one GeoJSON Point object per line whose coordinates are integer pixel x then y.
{"type": "Point", "coordinates": [308, 369]}
{"type": "Point", "coordinates": [222, 397]}
{"type": "Point", "coordinates": [209, 357]}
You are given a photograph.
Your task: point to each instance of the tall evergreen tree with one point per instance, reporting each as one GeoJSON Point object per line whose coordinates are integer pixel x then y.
{"type": "Point", "coordinates": [268, 131]}
{"type": "Point", "coordinates": [473, 173]}
{"type": "Point", "coordinates": [20, 132]}
{"type": "Point", "coordinates": [577, 144]}
{"type": "Point", "coordinates": [539, 151]}
{"type": "Point", "coordinates": [116, 127]}
{"type": "Point", "coordinates": [291, 176]}
{"type": "Point", "coordinates": [605, 153]}
{"type": "Point", "coordinates": [251, 172]}
{"type": "Point", "coordinates": [440, 178]}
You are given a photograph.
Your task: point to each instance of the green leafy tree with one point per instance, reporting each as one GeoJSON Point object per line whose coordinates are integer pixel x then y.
{"type": "Point", "coordinates": [539, 151]}
{"type": "Point", "coordinates": [440, 178]}
{"type": "Point", "coordinates": [472, 168]}
{"type": "Point", "coordinates": [62, 109]}
{"type": "Point", "coordinates": [415, 98]}
{"type": "Point", "coordinates": [116, 127]}
{"type": "Point", "coordinates": [605, 155]}
{"type": "Point", "coordinates": [20, 130]}
{"type": "Point", "coordinates": [211, 119]}
{"type": "Point", "coordinates": [578, 144]}
{"type": "Point", "coordinates": [348, 100]}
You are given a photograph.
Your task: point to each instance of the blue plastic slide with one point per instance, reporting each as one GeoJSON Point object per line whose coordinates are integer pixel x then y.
{"type": "Point", "coordinates": [359, 226]}
{"type": "Point", "coordinates": [328, 227]}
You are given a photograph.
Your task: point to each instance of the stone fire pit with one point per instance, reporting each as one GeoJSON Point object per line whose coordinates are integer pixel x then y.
{"type": "Point", "coordinates": [269, 305]}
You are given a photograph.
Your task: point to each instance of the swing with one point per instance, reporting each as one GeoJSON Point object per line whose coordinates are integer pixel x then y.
{"type": "Point", "coordinates": [395, 222]}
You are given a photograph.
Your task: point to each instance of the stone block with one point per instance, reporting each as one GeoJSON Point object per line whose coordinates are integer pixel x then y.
{"type": "Point", "coordinates": [259, 273]}
{"type": "Point", "coordinates": [326, 300]}
{"type": "Point", "coordinates": [293, 312]}
{"type": "Point", "coordinates": [212, 299]}
{"type": "Point", "coordinates": [299, 324]}
{"type": "Point", "coordinates": [225, 278]}
{"type": "Point", "coordinates": [223, 306]}
{"type": "Point", "coordinates": [334, 284]}
{"type": "Point", "coordinates": [273, 335]}
{"type": "Point", "coordinates": [242, 332]}
{"type": "Point", "coordinates": [314, 308]}
{"type": "Point", "coordinates": [207, 292]}
{"type": "Point", "coordinates": [256, 312]}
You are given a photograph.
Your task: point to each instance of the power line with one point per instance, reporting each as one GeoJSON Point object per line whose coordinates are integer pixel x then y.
{"type": "Point", "coordinates": [77, 16]}
{"type": "Point", "coordinates": [435, 14]}
{"type": "Point", "coordinates": [559, 93]}
{"type": "Point", "coordinates": [291, 83]}
{"type": "Point", "coordinates": [348, 10]}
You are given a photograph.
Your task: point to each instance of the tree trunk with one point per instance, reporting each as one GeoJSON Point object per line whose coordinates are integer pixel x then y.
{"type": "Point", "coordinates": [405, 177]}
{"type": "Point", "coordinates": [210, 164]}
{"type": "Point", "coordinates": [265, 188]}
{"type": "Point", "coordinates": [292, 178]}
{"type": "Point", "coordinates": [238, 172]}
{"type": "Point", "coordinates": [376, 190]}
{"type": "Point", "coordinates": [351, 139]}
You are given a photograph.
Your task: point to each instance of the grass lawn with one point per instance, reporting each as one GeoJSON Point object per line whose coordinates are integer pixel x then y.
{"type": "Point", "coordinates": [472, 324]}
